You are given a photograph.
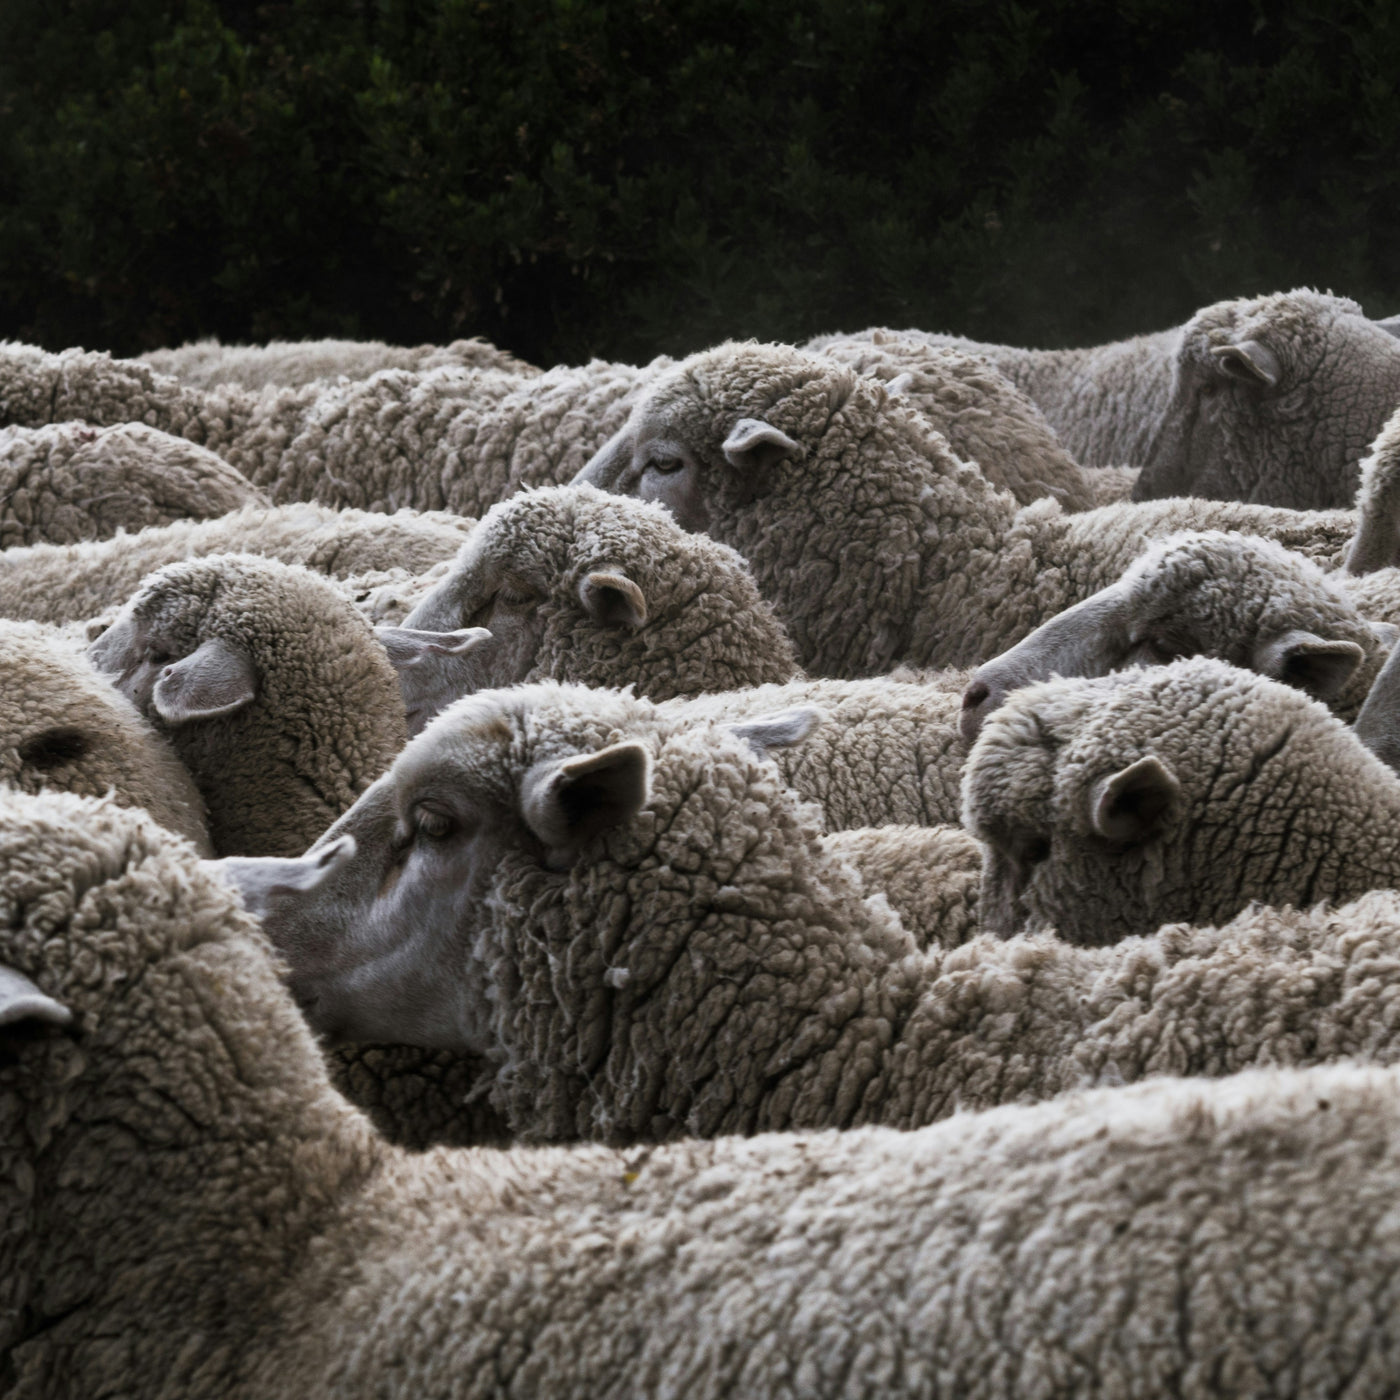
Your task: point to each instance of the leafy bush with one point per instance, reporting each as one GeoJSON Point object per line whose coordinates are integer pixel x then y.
{"type": "Point", "coordinates": [575, 177]}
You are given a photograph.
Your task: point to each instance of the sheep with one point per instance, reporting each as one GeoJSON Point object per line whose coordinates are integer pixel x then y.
{"type": "Point", "coordinates": [202, 364]}
{"type": "Point", "coordinates": [636, 923]}
{"type": "Point", "coordinates": [1111, 805]}
{"type": "Point", "coordinates": [986, 419]}
{"type": "Point", "coordinates": [64, 727]}
{"type": "Point", "coordinates": [191, 1209]}
{"type": "Point", "coordinates": [1271, 399]}
{"type": "Point", "coordinates": [69, 482]}
{"type": "Point", "coordinates": [270, 687]}
{"type": "Point", "coordinates": [873, 542]}
{"type": "Point", "coordinates": [62, 583]}
{"type": "Point", "coordinates": [575, 584]}
{"type": "Point", "coordinates": [446, 439]}
{"type": "Point", "coordinates": [1209, 593]}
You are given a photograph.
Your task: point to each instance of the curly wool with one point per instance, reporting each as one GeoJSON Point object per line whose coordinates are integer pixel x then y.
{"type": "Point", "coordinates": [62, 583]}
{"type": "Point", "coordinates": [446, 439]}
{"type": "Point", "coordinates": [68, 482]}
{"type": "Point", "coordinates": [705, 626]}
{"type": "Point", "coordinates": [876, 544]}
{"type": "Point", "coordinates": [1165, 402]}
{"type": "Point", "coordinates": [326, 720]}
{"type": "Point", "coordinates": [1277, 801]}
{"type": "Point", "coordinates": [987, 420]}
{"type": "Point", "coordinates": [182, 1178]}
{"type": "Point", "coordinates": [64, 728]}
{"type": "Point", "coordinates": [202, 364]}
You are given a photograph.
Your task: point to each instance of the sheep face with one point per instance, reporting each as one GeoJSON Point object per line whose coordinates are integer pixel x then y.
{"type": "Point", "coordinates": [1111, 806]}
{"type": "Point", "coordinates": [386, 946]}
{"type": "Point", "coordinates": [1274, 400]}
{"type": "Point", "coordinates": [578, 585]}
{"type": "Point", "coordinates": [1243, 600]}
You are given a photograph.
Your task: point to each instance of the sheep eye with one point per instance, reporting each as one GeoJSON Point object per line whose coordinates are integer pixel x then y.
{"type": "Point", "coordinates": [432, 825]}
{"type": "Point", "coordinates": [160, 657]}
{"type": "Point", "coordinates": [53, 748]}
{"type": "Point", "coordinates": [667, 466]}
{"type": "Point", "coordinates": [1032, 850]}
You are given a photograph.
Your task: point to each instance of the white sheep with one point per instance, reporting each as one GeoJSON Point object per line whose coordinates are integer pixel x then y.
{"type": "Point", "coordinates": [445, 439]}
{"type": "Point", "coordinates": [1114, 804]}
{"type": "Point", "coordinates": [202, 364]}
{"type": "Point", "coordinates": [63, 583]}
{"type": "Point", "coordinates": [634, 920]}
{"type": "Point", "coordinates": [69, 481]}
{"type": "Point", "coordinates": [271, 688]}
{"type": "Point", "coordinates": [1272, 398]}
{"type": "Point", "coordinates": [873, 542]}
{"type": "Point", "coordinates": [191, 1209]}
{"type": "Point", "coordinates": [1208, 593]}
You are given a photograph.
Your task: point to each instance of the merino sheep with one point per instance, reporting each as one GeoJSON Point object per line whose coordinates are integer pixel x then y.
{"type": "Point", "coordinates": [637, 924]}
{"type": "Point", "coordinates": [270, 686]}
{"type": "Point", "coordinates": [202, 364]}
{"type": "Point", "coordinates": [575, 584]}
{"type": "Point", "coordinates": [64, 727]}
{"type": "Point", "coordinates": [62, 583]}
{"type": "Point", "coordinates": [873, 542]}
{"type": "Point", "coordinates": [191, 1209]}
{"type": "Point", "coordinates": [1271, 399]}
{"type": "Point", "coordinates": [446, 439]}
{"type": "Point", "coordinates": [986, 419]}
{"type": "Point", "coordinates": [1243, 600]}
{"type": "Point", "coordinates": [1112, 805]}
{"type": "Point", "coordinates": [67, 482]}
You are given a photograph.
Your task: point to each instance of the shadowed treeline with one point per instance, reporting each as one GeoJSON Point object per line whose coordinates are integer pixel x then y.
{"type": "Point", "coordinates": [573, 177]}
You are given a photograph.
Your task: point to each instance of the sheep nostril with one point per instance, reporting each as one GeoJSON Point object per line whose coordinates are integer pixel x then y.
{"type": "Point", "coordinates": [975, 694]}
{"type": "Point", "coordinates": [974, 709]}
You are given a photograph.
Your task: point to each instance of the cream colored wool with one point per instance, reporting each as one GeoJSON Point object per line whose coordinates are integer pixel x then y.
{"type": "Point", "coordinates": [1207, 593]}
{"type": "Point", "coordinates": [929, 874]}
{"type": "Point", "coordinates": [1272, 398]}
{"type": "Point", "coordinates": [61, 583]}
{"type": "Point", "coordinates": [874, 543]}
{"type": "Point", "coordinates": [63, 727]}
{"type": "Point", "coordinates": [682, 614]}
{"type": "Point", "coordinates": [446, 439]}
{"type": "Point", "coordinates": [192, 1210]}
{"type": "Point", "coordinates": [986, 419]}
{"type": "Point", "coordinates": [204, 363]}
{"type": "Point", "coordinates": [710, 965]}
{"type": "Point", "coordinates": [326, 718]}
{"type": "Point", "coordinates": [68, 481]}
{"type": "Point", "coordinates": [1266, 796]}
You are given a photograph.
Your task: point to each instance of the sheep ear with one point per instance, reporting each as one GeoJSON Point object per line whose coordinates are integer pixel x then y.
{"type": "Point", "coordinates": [1390, 324]}
{"type": "Point", "coordinates": [1135, 803]}
{"type": "Point", "coordinates": [22, 1003]}
{"type": "Point", "coordinates": [754, 445]}
{"type": "Point", "coordinates": [1251, 361]}
{"type": "Point", "coordinates": [407, 646]}
{"type": "Point", "coordinates": [779, 730]}
{"type": "Point", "coordinates": [214, 679]}
{"type": "Point", "coordinates": [612, 599]}
{"type": "Point", "coordinates": [257, 878]}
{"type": "Point", "coordinates": [1309, 663]}
{"type": "Point", "coordinates": [569, 801]}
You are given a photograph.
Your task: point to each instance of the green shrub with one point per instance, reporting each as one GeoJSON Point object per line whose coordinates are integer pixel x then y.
{"type": "Point", "coordinates": [574, 177]}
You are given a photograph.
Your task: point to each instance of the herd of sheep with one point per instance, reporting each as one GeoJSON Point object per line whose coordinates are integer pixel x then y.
{"type": "Point", "coordinates": [858, 869]}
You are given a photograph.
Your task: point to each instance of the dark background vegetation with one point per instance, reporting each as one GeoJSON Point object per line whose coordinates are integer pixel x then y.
{"type": "Point", "coordinates": [576, 177]}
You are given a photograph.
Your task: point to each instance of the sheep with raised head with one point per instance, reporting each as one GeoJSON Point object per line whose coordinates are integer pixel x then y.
{"type": "Point", "coordinates": [874, 543]}
{"type": "Point", "coordinates": [1272, 398]}
{"type": "Point", "coordinates": [69, 481]}
{"type": "Point", "coordinates": [191, 1209]}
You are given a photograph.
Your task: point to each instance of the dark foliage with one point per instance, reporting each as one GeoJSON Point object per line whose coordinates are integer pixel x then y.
{"type": "Point", "coordinates": [573, 177]}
